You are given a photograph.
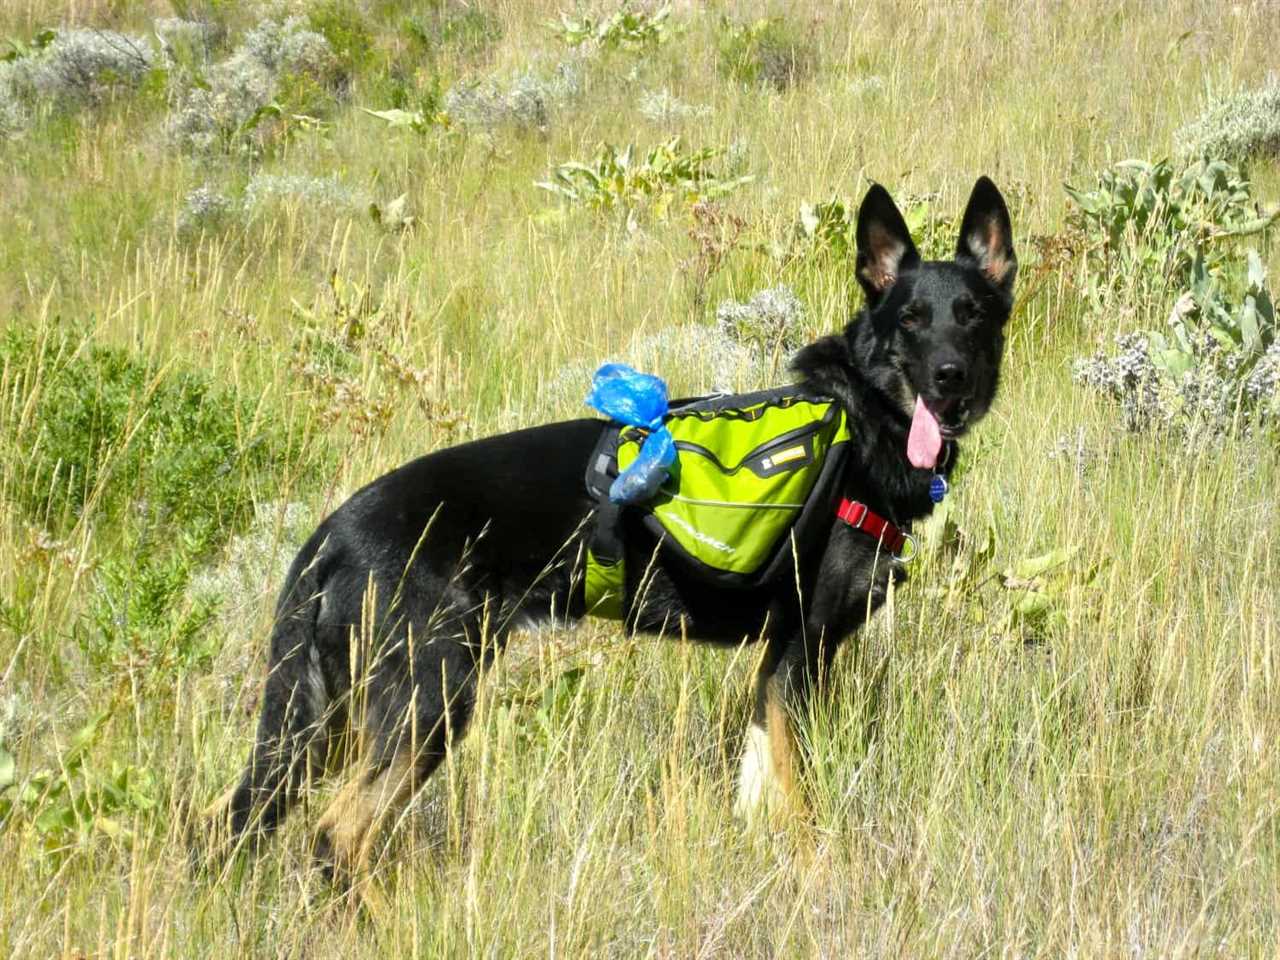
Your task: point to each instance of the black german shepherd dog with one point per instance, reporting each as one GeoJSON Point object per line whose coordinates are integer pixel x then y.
{"type": "Point", "coordinates": [399, 598]}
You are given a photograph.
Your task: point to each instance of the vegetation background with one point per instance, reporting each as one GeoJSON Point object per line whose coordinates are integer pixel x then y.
{"type": "Point", "coordinates": [232, 295]}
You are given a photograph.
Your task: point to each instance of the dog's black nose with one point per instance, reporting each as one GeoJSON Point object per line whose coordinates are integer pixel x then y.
{"type": "Point", "coordinates": [950, 378]}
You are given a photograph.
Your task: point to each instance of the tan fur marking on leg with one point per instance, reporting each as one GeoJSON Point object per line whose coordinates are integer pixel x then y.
{"type": "Point", "coordinates": [363, 805]}
{"type": "Point", "coordinates": [218, 810]}
{"type": "Point", "coordinates": [215, 826]}
{"type": "Point", "coordinates": [781, 748]}
{"type": "Point", "coordinates": [767, 778]}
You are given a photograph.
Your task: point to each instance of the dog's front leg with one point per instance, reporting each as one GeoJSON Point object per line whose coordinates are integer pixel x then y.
{"type": "Point", "coordinates": [767, 780]}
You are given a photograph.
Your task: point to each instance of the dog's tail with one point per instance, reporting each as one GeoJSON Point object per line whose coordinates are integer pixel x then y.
{"type": "Point", "coordinates": [292, 729]}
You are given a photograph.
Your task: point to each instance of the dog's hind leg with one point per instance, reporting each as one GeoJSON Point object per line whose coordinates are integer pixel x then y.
{"type": "Point", "coordinates": [419, 699]}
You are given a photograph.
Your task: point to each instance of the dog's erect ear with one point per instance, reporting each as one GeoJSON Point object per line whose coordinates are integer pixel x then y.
{"type": "Point", "coordinates": [884, 243]}
{"type": "Point", "coordinates": [986, 236]}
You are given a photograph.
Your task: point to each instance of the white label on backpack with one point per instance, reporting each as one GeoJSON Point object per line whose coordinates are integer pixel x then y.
{"type": "Point", "coordinates": [785, 456]}
{"type": "Point", "coordinates": [698, 535]}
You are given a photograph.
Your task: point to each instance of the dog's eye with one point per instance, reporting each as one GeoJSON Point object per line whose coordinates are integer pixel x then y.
{"type": "Point", "coordinates": [965, 312]}
{"type": "Point", "coordinates": [909, 317]}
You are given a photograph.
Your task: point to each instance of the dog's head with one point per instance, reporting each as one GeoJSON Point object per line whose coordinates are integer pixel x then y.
{"type": "Point", "coordinates": [936, 327]}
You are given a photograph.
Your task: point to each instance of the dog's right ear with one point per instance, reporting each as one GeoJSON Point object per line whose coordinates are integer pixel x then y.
{"type": "Point", "coordinates": [884, 244]}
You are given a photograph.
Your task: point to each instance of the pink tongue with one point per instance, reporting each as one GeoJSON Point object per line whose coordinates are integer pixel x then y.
{"type": "Point", "coordinates": [924, 442]}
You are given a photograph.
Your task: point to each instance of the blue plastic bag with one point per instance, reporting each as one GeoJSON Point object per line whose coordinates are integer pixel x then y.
{"type": "Point", "coordinates": [639, 400]}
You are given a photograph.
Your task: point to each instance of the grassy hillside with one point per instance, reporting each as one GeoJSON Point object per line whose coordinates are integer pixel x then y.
{"type": "Point", "coordinates": [230, 295]}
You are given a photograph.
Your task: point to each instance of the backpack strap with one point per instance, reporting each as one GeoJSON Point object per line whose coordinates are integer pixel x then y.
{"type": "Point", "coordinates": [605, 573]}
{"type": "Point", "coordinates": [900, 544]}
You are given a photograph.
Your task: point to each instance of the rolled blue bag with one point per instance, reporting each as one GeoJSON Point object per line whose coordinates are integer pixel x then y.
{"type": "Point", "coordinates": [638, 400]}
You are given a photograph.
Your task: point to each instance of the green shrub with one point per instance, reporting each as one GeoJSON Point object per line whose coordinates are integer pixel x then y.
{"type": "Point", "coordinates": [78, 798]}
{"type": "Point", "coordinates": [450, 25]}
{"type": "Point", "coordinates": [618, 179]}
{"type": "Point", "coordinates": [139, 610]}
{"type": "Point", "coordinates": [121, 435]}
{"type": "Point", "coordinates": [165, 467]}
{"type": "Point", "coordinates": [626, 28]}
{"type": "Point", "coordinates": [768, 53]}
{"type": "Point", "coordinates": [1147, 222]}
{"type": "Point", "coordinates": [829, 228]}
{"type": "Point", "coordinates": [348, 33]}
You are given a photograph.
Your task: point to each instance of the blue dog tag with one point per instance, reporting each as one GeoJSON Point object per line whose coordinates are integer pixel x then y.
{"type": "Point", "coordinates": [937, 488]}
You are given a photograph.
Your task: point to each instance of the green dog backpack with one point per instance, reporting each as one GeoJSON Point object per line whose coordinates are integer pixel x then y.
{"type": "Point", "coordinates": [753, 473]}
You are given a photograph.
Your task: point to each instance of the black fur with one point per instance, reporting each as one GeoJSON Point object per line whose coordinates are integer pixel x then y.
{"type": "Point", "coordinates": [447, 554]}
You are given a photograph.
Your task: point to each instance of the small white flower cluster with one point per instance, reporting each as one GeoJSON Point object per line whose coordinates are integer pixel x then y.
{"type": "Point", "coordinates": [1235, 128]}
{"type": "Point", "coordinates": [527, 102]}
{"type": "Point", "coordinates": [329, 192]}
{"type": "Point", "coordinates": [216, 113]}
{"type": "Point", "coordinates": [203, 209]}
{"type": "Point", "coordinates": [1128, 377]}
{"type": "Point", "coordinates": [773, 318]}
{"type": "Point", "coordinates": [664, 107]}
{"type": "Point", "coordinates": [867, 86]}
{"type": "Point", "coordinates": [1211, 398]}
{"type": "Point", "coordinates": [1263, 384]}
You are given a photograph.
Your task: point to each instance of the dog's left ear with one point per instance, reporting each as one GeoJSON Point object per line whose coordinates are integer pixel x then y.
{"type": "Point", "coordinates": [986, 236]}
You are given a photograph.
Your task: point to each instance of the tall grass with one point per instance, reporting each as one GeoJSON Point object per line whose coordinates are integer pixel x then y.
{"type": "Point", "coordinates": [1092, 778]}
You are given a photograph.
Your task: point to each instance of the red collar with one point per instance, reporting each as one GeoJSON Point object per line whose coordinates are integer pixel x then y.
{"type": "Point", "coordinates": [861, 517]}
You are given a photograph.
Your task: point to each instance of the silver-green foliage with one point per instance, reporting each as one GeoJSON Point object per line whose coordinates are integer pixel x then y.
{"type": "Point", "coordinates": [1237, 127]}
{"type": "Point", "coordinates": [204, 210]}
{"type": "Point", "coordinates": [696, 358]}
{"type": "Point", "coordinates": [221, 108]}
{"type": "Point", "coordinates": [329, 192]}
{"type": "Point", "coordinates": [528, 101]}
{"type": "Point", "coordinates": [68, 68]}
{"type": "Point", "coordinates": [13, 113]}
{"type": "Point", "coordinates": [180, 37]}
{"type": "Point", "coordinates": [82, 66]}
{"type": "Point", "coordinates": [773, 320]}
{"type": "Point", "coordinates": [664, 107]}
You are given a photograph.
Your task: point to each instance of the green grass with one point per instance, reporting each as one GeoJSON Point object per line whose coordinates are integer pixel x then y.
{"type": "Point", "coordinates": [1095, 777]}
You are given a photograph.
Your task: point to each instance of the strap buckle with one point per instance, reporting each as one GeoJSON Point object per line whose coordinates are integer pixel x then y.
{"type": "Point", "coordinates": [853, 513]}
